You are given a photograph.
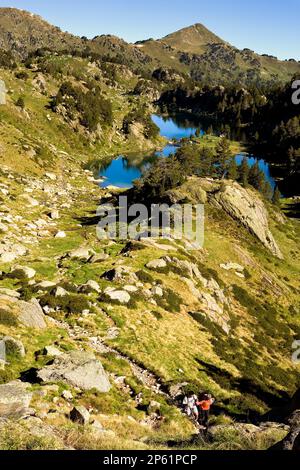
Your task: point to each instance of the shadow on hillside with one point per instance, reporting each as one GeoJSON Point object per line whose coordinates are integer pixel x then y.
{"type": "Point", "coordinates": [293, 210]}
{"type": "Point", "coordinates": [89, 221]}
{"type": "Point", "coordinates": [272, 398]}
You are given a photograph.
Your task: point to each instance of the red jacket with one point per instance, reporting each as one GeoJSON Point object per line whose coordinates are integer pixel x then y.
{"type": "Point", "coordinates": [205, 404]}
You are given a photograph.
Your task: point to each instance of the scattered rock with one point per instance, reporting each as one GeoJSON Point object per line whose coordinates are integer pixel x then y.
{"type": "Point", "coordinates": [9, 293]}
{"type": "Point", "coordinates": [97, 429]}
{"type": "Point", "coordinates": [39, 83]}
{"type": "Point", "coordinates": [290, 442]}
{"type": "Point", "coordinates": [54, 214]}
{"type": "Point", "coordinates": [21, 272]}
{"type": "Point", "coordinates": [131, 289]}
{"type": "Point", "coordinates": [232, 267]}
{"type": "Point", "coordinates": [60, 292]}
{"type": "Point", "coordinates": [8, 257]}
{"type": "Point", "coordinates": [157, 291]}
{"type": "Point", "coordinates": [157, 264]}
{"type": "Point", "coordinates": [81, 254]}
{"type": "Point", "coordinates": [3, 228]}
{"type": "Point", "coordinates": [51, 351]}
{"type": "Point", "coordinates": [67, 395]}
{"type": "Point", "coordinates": [51, 176]}
{"type": "Point", "coordinates": [80, 415]}
{"type": "Point", "coordinates": [90, 286]}
{"type": "Point", "coordinates": [60, 234]}
{"type": "Point", "coordinates": [46, 285]}
{"type": "Point", "coordinates": [119, 296]}
{"type": "Point", "coordinates": [33, 202]}
{"type": "Point", "coordinates": [98, 258]}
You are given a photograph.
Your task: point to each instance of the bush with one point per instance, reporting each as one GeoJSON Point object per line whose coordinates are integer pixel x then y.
{"type": "Point", "coordinates": [22, 75]}
{"type": "Point", "coordinates": [144, 277]}
{"type": "Point", "coordinates": [20, 102]}
{"type": "Point", "coordinates": [7, 60]}
{"type": "Point", "coordinates": [170, 301]}
{"type": "Point", "coordinates": [70, 303]}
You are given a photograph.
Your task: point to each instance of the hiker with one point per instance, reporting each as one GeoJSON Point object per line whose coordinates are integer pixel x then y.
{"type": "Point", "coordinates": [204, 406]}
{"type": "Point", "coordinates": [190, 404]}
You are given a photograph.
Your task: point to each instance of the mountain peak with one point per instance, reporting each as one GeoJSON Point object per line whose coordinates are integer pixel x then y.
{"type": "Point", "coordinates": [192, 38]}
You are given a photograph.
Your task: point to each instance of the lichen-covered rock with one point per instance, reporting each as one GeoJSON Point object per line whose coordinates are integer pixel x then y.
{"type": "Point", "coordinates": [78, 369]}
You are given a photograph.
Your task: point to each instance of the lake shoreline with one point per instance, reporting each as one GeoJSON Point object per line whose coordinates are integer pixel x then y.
{"type": "Point", "coordinates": [122, 170]}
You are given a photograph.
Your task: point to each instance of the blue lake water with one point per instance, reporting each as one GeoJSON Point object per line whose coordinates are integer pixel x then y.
{"type": "Point", "coordinates": [124, 170]}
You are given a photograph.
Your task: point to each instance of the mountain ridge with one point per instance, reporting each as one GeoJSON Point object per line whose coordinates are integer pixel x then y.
{"type": "Point", "coordinates": [193, 51]}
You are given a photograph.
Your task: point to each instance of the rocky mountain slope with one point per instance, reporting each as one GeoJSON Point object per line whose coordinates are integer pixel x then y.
{"type": "Point", "coordinates": [211, 315]}
{"type": "Point", "coordinates": [103, 337]}
{"type": "Point", "coordinates": [193, 51]}
{"type": "Point", "coordinates": [206, 57]}
{"type": "Point", "coordinates": [193, 39]}
{"type": "Point", "coordinates": [23, 32]}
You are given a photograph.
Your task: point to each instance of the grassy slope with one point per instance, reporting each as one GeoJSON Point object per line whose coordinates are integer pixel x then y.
{"type": "Point", "coordinates": [240, 369]}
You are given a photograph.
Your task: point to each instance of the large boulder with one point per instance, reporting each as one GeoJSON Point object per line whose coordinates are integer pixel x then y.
{"type": "Point", "coordinates": [82, 253]}
{"type": "Point", "coordinates": [119, 296]}
{"type": "Point", "coordinates": [247, 207]}
{"type": "Point", "coordinates": [78, 369]}
{"type": "Point", "coordinates": [14, 312]}
{"type": "Point", "coordinates": [157, 264]}
{"type": "Point", "coordinates": [14, 400]}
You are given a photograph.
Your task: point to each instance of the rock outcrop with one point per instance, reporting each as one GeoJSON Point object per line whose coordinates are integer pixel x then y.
{"type": "Point", "coordinates": [247, 207]}
{"type": "Point", "coordinates": [78, 369]}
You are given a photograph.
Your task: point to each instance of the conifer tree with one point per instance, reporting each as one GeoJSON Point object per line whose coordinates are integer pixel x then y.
{"type": "Point", "coordinates": [206, 161]}
{"type": "Point", "coordinates": [233, 172]}
{"type": "Point", "coordinates": [276, 197]}
{"type": "Point", "coordinates": [223, 156]}
{"type": "Point", "coordinates": [267, 190]}
{"type": "Point", "coordinates": [244, 172]}
{"type": "Point", "coordinates": [256, 177]}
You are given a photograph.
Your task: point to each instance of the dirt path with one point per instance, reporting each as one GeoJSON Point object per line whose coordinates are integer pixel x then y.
{"type": "Point", "coordinates": [148, 379]}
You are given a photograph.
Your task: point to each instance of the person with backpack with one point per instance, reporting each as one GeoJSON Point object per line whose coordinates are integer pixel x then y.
{"type": "Point", "coordinates": [204, 405]}
{"type": "Point", "coordinates": [190, 406]}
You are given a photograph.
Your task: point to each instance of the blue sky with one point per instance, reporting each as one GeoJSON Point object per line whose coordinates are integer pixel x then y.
{"type": "Point", "coordinates": [266, 26]}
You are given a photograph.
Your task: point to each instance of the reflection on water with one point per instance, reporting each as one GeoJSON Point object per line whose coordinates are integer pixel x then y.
{"type": "Point", "coordinates": [124, 170]}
